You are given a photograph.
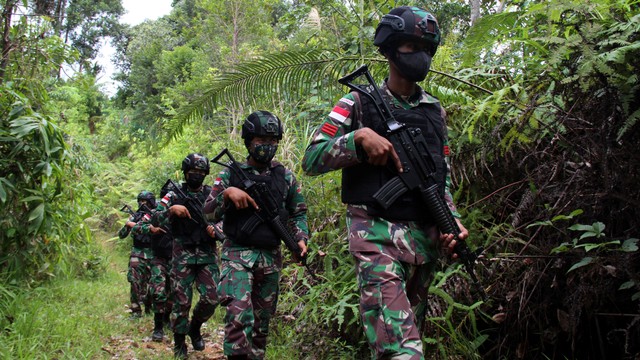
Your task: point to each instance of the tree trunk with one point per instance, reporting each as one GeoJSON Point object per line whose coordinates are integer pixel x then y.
{"type": "Point", "coordinates": [61, 6]}
{"type": "Point", "coordinates": [7, 13]}
{"type": "Point", "coordinates": [475, 11]}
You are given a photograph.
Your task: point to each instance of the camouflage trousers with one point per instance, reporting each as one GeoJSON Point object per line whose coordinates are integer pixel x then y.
{"type": "Point", "coordinates": [394, 264]}
{"type": "Point", "coordinates": [138, 275]}
{"type": "Point", "coordinates": [250, 296]}
{"type": "Point", "coordinates": [183, 277]}
{"type": "Point", "coordinates": [160, 285]}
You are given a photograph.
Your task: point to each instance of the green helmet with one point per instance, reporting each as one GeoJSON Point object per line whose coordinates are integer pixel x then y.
{"type": "Point", "coordinates": [408, 23]}
{"type": "Point", "coordinates": [261, 123]}
{"type": "Point", "coordinates": [195, 161]}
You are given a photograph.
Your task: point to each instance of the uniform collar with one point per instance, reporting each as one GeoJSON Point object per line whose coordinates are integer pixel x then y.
{"type": "Point", "coordinates": [420, 97]}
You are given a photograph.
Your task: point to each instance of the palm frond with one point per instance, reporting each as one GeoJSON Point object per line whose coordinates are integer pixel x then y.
{"type": "Point", "coordinates": [270, 79]}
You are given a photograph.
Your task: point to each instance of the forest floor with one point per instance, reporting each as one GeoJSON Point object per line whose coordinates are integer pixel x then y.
{"type": "Point", "coordinates": [134, 339]}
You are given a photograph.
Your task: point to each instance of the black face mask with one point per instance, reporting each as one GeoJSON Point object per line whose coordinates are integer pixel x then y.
{"type": "Point", "coordinates": [195, 180]}
{"type": "Point", "coordinates": [263, 153]}
{"type": "Point", "coordinates": [414, 66]}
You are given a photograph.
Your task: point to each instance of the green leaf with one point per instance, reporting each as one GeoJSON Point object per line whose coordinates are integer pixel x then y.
{"type": "Point", "coordinates": [580, 227]}
{"type": "Point", "coordinates": [598, 228]}
{"type": "Point", "coordinates": [627, 285]}
{"type": "Point", "coordinates": [585, 261]}
{"type": "Point", "coordinates": [630, 245]}
{"type": "Point", "coordinates": [3, 193]}
{"type": "Point", "coordinates": [587, 234]}
{"type": "Point", "coordinates": [573, 214]}
{"type": "Point", "coordinates": [540, 223]}
{"type": "Point", "coordinates": [36, 216]}
{"type": "Point", "coordinates": [564, 247]}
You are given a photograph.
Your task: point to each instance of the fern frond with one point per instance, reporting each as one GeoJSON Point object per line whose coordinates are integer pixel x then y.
{"type": "Point", "coordinates": [270, 79]}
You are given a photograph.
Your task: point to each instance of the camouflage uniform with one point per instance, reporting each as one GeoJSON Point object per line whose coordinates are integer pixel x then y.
{"type": "Point", "coordinates": [394, 259]}
{"type": "Point", "coordinates": [159, 282]}
{"type": "Point", "coordinates": [139, 271]}
{"type": "Point", "coordinates": [190, 264]}
{"type": "Point", "coordinates": [250, 275]}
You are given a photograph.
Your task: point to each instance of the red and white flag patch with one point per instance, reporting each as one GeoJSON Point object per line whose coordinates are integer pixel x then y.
{"type": "Point", "coordinates": [339, 114]}
{"type": "Point", "coordinates": [329, 129]}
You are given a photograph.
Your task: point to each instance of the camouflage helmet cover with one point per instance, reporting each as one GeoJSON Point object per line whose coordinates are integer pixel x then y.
{"type": "Point", "coordinates": [261, 123]}
{"type": "Point", "coordinates": [408, 23]}
{"type": "Point", "coordinates": [195, 161]}
{"type": "Point", "coordinates": [146, 195]}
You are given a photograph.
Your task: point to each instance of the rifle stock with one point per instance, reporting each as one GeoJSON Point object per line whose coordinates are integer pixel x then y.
{"type": "Point", "coordinates": [419, 170]}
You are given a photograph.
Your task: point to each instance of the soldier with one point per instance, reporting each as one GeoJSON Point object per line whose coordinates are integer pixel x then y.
{"type": "Point", "coordinates": [194, 256]}
{"type": "Point", "coordinates": [251, 264]}
{"type": "Point", "coordinates": [395, 250]}
{"type": "Point", "coordinates": [159, 282]}
{"type": "Point", "coordinates": [141, 255]}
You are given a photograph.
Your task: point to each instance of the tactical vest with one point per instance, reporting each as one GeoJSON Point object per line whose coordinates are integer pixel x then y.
{"type": "Point", "coordinates": [141, 240]}
{"type": "Point", "coordinates": [234, 219]}
{"type": "Point", "coordinates": [162, 245]}
{"type": "Point", "coordinates": [361, 181]}
{"type": "Point", "coordinates": [192, 233]}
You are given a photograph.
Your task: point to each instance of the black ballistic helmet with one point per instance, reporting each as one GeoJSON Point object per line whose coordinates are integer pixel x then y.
{"type": "Point", "coordinates": [195, 161]}
{"type": "Point", "coordinates": [261, 123]}
{"type": "Point", "coordinates": [408, 23]}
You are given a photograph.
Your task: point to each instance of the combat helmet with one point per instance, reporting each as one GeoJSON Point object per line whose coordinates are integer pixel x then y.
{"type": "Point", "coordinates": [408, 23]}
{"type": "Point", "coordinates": [195, 161]}
{"type": "Point", "coordinates": [261, 123]}
{"type": "Point", "coordinates": [147, 196]}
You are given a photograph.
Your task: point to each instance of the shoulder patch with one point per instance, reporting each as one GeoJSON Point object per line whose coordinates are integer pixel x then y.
{"type": "Point", "coordinates": [329, 129]}
{"type": "Point", "coordinates": [347, 101]}
{"type": "Point", "coordinates": [339, 114]}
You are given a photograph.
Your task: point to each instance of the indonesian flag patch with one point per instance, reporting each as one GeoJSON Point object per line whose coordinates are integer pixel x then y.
{"type": "Point", "coordinates": [329, 129]}
{"type": "Point", "coordinates": [218, 181]}
{"type": "Point", "coordinates": [339, 114]}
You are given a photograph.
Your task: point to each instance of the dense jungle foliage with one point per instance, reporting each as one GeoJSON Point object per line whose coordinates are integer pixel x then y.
{"type": "Point", "coordinates": [543, 101]}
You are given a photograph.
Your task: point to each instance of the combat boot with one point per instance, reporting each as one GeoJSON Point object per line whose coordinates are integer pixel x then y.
{"type": "Point", "coordinates": [179, 347]}
{"type": "Point", "coordinates": [158, 327]}
{"type": "Point", "coordinates": [196, 338]}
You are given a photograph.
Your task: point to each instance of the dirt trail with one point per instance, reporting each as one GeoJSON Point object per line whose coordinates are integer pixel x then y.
{"type": "Point", "coordinates": [138, 344]}
{"type": "Point", "coordinates": [134, 341]}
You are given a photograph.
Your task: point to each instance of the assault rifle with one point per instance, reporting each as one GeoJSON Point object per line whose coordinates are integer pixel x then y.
{"type": "Point", "coordinates": [137, 216]}
{"type": "Point", "coordinates": [195, 207]}
{"type": "Point", "coordinates": [268, 208]}
{"type": "Point", "coordinates": [419, 170]}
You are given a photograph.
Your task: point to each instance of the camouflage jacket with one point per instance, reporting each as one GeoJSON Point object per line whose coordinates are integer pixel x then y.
{"type": "Point", "coordinates": [205, 253]}
{"type": "Point", "coordinates": [333, 147]}
{"type": "Point", "coordinates": [294, 203]}
{"type": "Point", "coordinates": [139, 252]}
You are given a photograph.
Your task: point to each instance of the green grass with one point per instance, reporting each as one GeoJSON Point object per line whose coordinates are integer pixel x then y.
{"type": "Point", "coordinates": [87, 318]}
{"type": "Point", "coordinates": [75, 319]}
